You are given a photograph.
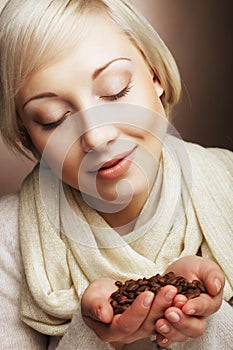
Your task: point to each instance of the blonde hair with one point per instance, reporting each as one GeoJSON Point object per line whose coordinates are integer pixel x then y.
{"type": "Point", "coordinates": [33, 33]}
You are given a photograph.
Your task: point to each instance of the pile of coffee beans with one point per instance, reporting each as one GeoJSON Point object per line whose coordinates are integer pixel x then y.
{"type": "Point", "coordinates": [128, 291]}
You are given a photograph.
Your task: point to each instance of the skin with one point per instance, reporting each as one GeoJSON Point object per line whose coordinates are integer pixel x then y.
{"type": "Point", "coordinates": [46, 102]}
{"type": "Point", "coordinates": [68, 87]}
{"type": "Point", "coordinates": [172, 316]}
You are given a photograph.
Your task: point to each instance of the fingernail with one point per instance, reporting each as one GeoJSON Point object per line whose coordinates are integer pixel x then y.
{"type": "Point", "coordinates": [179, 305]}
{"type": "Point", "coordinates": [148, 300]}
{"type": "Point", "coordinates": [98, 314]}
{"type": "Point", "coordinates": [218, 285]}
{"type": "Point", "coordinates": [164, 341]}
{"type": "Point", "coordinates": [173, 317]}
{"type": "Point", "coordinates": [191, 312]}
{"type": "Point", "coordinates": [170, 295]}
{"type": "Point", "coordinates": [164, 329]}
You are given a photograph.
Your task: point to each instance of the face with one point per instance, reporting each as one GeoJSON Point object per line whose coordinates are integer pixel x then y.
{"type": "Point", "coordinates": [62, 107]}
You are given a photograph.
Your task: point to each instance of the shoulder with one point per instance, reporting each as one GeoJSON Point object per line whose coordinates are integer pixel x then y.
{"type": "Point", "coordinates": [211, 167]}
{"type": "Point", "coordinates": [214, 159]}
{"type": "Point", "coordinates": [224, 158]}
{"type": "Point", "coordinates": [9, 208]}
{"type": "Point", "coordinates": [208, 157]}
{"type": "Point", "coordinates": [217, 152]}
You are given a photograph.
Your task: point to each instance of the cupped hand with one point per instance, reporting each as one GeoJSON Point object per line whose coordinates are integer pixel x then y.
{"type": "Point", "coordinates": [171, 315]}
{"type": "Point", "coordinates": [187, 318]}
{"type": "Point", "coordinates": [207, 271]}
{"type": "Point", "coordinates": [137, 322]}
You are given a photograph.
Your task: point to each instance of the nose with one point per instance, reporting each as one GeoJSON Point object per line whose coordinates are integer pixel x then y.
{"type": "Point", "coordinates": [99, 126]}
{"type": "Point", "coordinates": [97, 138]}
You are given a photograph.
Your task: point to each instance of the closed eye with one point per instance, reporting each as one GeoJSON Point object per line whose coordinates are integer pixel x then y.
{"type": "Point", "coordinates": [122, 93]}
{"type": "Point", "coordinates": [53, 125]}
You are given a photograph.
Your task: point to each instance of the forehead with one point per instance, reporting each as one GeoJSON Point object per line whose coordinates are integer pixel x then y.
{"type": "Point", "coordinates": [100, 42]}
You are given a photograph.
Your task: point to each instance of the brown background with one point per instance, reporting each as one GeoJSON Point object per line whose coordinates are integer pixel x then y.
{"type": "Point", "coordinates": [199, 34]}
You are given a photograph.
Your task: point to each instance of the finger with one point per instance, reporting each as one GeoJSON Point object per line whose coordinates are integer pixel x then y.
{"type": "Point", "coordinates": [204, 305]}
{"type": "Point", "coordinates": [95, 300]}
{"type": "Point", "coordinates": [163, 341]}
{"type": "Point", "coordinates": [124, 326]}
{"type": "Point", "coordinates": [99, 310]}
{"type": "Point", "coordinates": [168, 334]}
{"type": "Point", "coordinates": [179, 301]}
{"type": "Point", "coordinates": [162, 301]}
{"type": "Point", "coordinates": [189, 326]}
{"type": "Point", "coordinates": [213, 279]}
{"type": "Point", "coordinates": [132, 319]}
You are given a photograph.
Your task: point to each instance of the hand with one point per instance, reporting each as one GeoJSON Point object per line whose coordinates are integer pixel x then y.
{"type": "Point", "coordinates": [137, 322]}
{"type": "Point", "coordinates": [186, 318]}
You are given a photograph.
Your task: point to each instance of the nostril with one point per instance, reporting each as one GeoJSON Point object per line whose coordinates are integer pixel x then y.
{"type": "Point", "coordinates": [98, 138]}
{"type": "Point", "coordinates": [92, 139]}
{"type": "Point", "coordinates": [86, 148]}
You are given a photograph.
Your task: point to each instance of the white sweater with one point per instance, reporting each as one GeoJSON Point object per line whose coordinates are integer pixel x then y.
{"type": "Point", "coordinates": [15, 335]}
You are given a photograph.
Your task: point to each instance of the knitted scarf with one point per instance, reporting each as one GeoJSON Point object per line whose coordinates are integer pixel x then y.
{"type": "Point", "coordinates": [64, 249]}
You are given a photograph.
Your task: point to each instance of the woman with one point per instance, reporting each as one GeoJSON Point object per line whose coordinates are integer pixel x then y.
{"type": "Point", "coordinates": [87, 87]}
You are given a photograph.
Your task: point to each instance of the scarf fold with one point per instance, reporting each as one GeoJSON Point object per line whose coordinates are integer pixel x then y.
{"type": "Point", "coordinates": [65, 244]}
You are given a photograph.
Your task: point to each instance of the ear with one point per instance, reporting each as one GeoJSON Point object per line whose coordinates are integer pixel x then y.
{"type": "Point", "coordinates": [158, 87]}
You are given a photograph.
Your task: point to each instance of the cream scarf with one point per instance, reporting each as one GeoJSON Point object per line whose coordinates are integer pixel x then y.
{"type": "Point", "coordinates": [63, 250]}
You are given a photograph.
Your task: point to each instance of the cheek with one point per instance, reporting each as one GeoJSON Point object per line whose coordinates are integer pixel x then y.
{"type": "Point", "coordinates": [158, 106]}
{"type": "Point", "coordinates": [38, 138]}
{"type": "Point", "coordinates": [39, 141]}
{"type": "Point", "coordinates": [153, 101]}
{"type": "Point", "coordinates": [156, 122]}
{"type": "Point", "coordinates": [69, 164]}
{"type": "Point", "coordinates": [147, 97]}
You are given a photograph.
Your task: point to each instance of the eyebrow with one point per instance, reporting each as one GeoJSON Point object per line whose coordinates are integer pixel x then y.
{"type": "Point", "coordinates": [96, 73]}
{"type": "Point", "coordinates": [101, 69]}
{"type": "Point", "coordinates": [37, 97]}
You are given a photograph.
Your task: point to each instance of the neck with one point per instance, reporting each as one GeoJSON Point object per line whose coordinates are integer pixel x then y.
{"type": "Point", "coordinates": [124, 220]}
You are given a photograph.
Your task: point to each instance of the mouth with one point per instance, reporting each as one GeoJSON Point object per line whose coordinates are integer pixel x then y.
{"type": "Point", "coordinates": [115, 167]}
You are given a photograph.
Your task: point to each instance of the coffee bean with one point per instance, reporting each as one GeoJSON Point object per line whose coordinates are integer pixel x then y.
{"type": "Point", "coordinates": [200, 285]}
{"type": "Point", "coordinates": [143, 288]}
{"type": "Point", "coordinates": [127, 292]}
{"type": "Point", "coordinates": [118, 284]}
{"type": "Point", "coordinates": [132, 286]}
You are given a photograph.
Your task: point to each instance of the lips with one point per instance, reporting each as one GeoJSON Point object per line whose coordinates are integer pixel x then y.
{"type": "Point", "coordinates": [111, 163]}
{"type": "Point", "coordinates": [115, 167]}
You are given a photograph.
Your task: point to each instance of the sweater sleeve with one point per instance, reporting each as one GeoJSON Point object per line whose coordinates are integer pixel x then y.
{"type": "Point", "coordinates": [80, 337]}
{"type": "Point", "coordinates": [14, 334]}
{"type": "Point", "coordinates": [218, 335]}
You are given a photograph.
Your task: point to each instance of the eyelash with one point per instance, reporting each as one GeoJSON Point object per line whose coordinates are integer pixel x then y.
{"type": "Point", "coordinates": [121, 94]}
{"type": "Point", "coordinates": [53, 125]}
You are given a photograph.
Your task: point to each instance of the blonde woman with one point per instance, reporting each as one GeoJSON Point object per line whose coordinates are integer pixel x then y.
{"type": "Point", "coordinates": [87, 87]}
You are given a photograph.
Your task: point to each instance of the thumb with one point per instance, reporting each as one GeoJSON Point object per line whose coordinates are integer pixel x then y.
{"type": "Point", "coordinates": [213, 278]}
{"type": "Point", "coordinates": [98, 309]}
{"type": "Point", "coordinates": [95, 302]}
{"type": "Point", "coordinates": [214, 283]}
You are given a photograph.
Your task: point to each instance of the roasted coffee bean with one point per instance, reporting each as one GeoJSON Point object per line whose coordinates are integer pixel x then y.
{"type": "Point", "coordinates": [199, 285]}
{"type": "Point", "coordinates": [121, 309]}
{"type": "Point", "coordinates": [127, 292]}
{"type": "Point", "coordinates": [143, 282]}
{"type": "Point", "coordinates": [143, 288]}
{"type": "Point", "coordinates": [155, 289]}
{"type": "Point", "coordinates": [132, 286]}
{"type": "Point", "coordinates": [114, 304]}
{"type": "Point", "coordinates": [192, 293]}
{"type": "Point", "coordinates": [118, 284]}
